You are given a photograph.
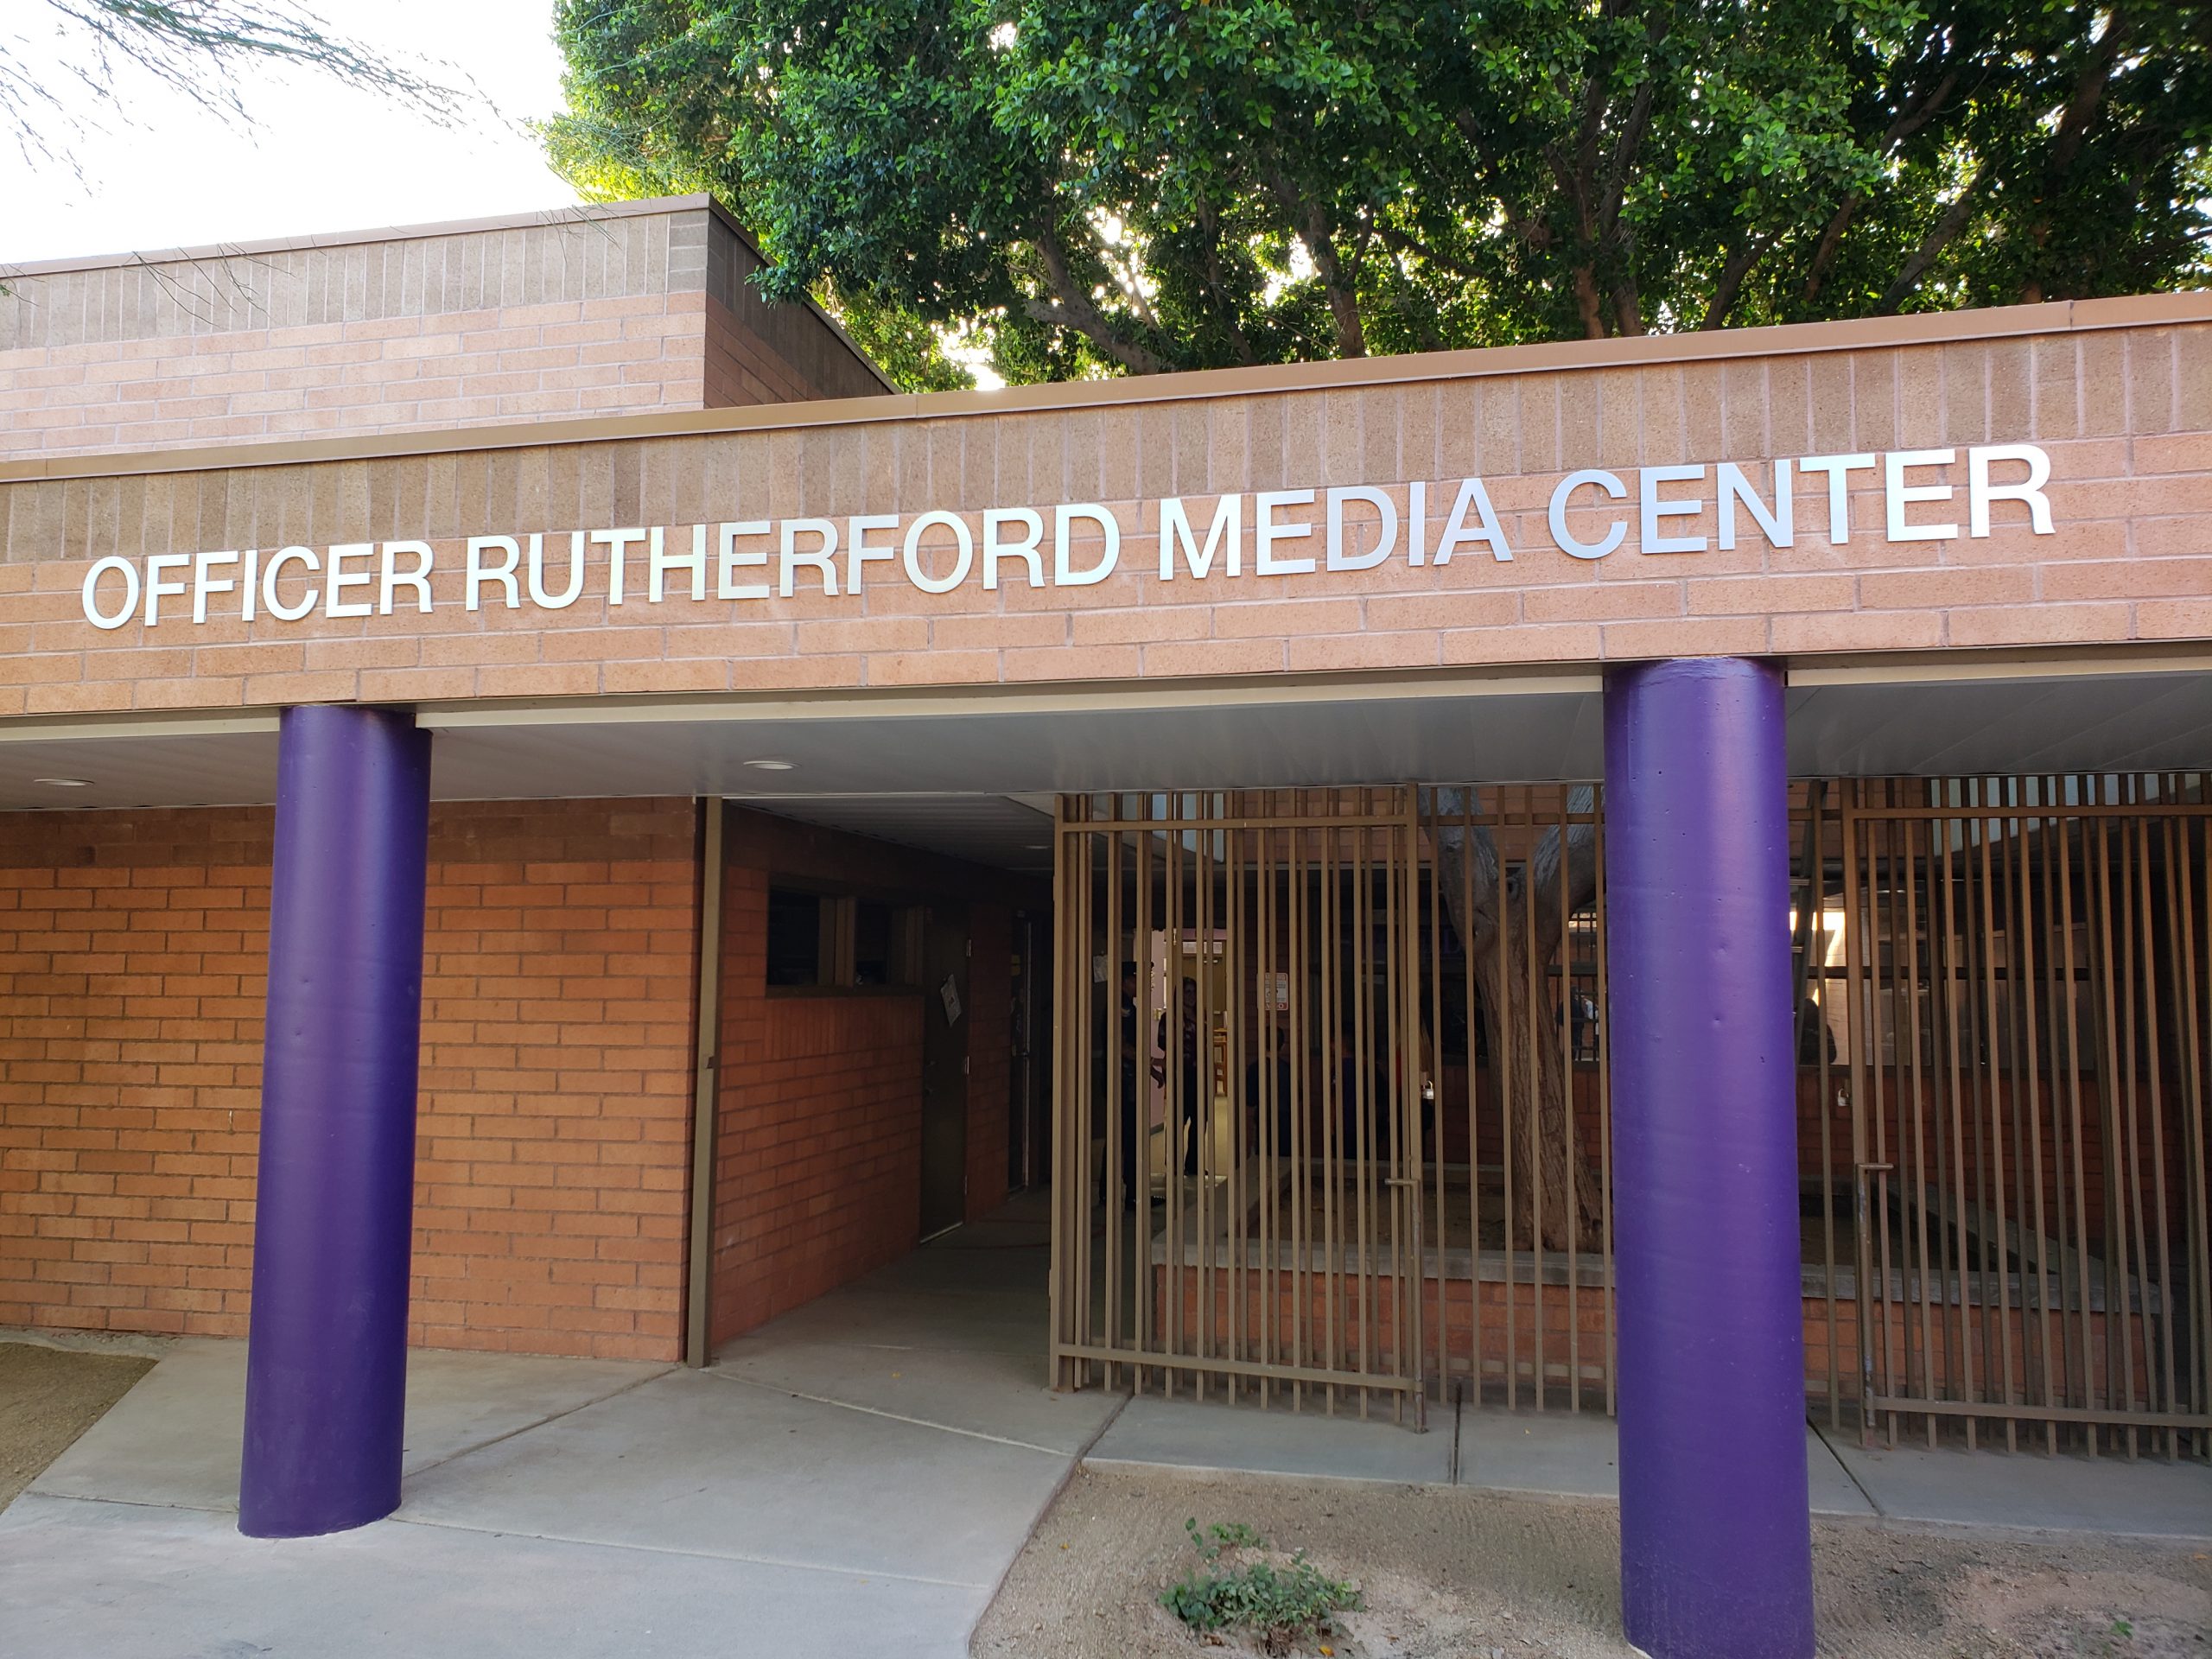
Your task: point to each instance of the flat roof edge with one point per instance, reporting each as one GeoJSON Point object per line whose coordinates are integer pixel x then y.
{"type": "Point", "coordinates": [540, 218]}
{"type": "Point", "coordinates": [1926, 329]}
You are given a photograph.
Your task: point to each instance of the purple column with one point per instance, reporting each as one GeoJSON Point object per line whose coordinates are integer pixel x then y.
{"type": "Point", "coordinates": [1716, 1551]}
{"type": "Point", "coordinates": [327, 1361]}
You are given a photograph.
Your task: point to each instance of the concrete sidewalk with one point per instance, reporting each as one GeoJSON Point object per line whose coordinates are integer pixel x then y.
{"type": "Point", "coordinates": [855, 1478]}
{"type": "Point", "coordinates": [1557, 1454]}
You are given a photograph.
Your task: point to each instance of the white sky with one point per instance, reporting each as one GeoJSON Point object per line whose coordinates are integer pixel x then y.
{"type": "Point", "coordinates": [316, 157]}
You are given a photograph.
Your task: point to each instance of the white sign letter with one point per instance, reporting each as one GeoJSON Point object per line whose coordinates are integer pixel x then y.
{"type": "Point", "coordinates": [1899, 495]}
{"type": "Point", "coordinates": [1655, 507]}
{"type": "Point", "coordinates": [1980, 492]}
{"type": "Point", "coordinates": [1780, 525]}
{"type": "Point", "coordinates": [1459, 533]}
{"type": "Point", "coordinates": [1025, 549]}
{"type": "Point", "coordinates": [93, 615]}
{"type": "Point", "coordinates": [478, 573]}
{"type": "Point", "coordinates": [1385, 541]}
{"type": "Point", "coordinates": [1568, 487]}
{"type": "Point", "coordinates": [1065, 575]}
{"type": "Point", "coordinates": [1227, 529]}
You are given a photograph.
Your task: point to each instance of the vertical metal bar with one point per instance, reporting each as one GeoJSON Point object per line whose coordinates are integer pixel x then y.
{"type": "Point", "coordinates": [1601, 995]}
{"type": "Point", "coordinates": [1474, 1107]}
{"type": "Point", "coordinates": [1914, 1191]}
{"type": "Point", "coordinates": [1199, 1069]}
{"type": "Point", "coordinates": [2078, 1344]}
{"type": "Point", "coordinates": [1332, 941]}
{"type": "Point", "coordinates": [1084, 1076]}
{"type": "Point", "coordinates": [1854, 946]}
{"type": "Point", "coordinates": [1816, 839]}
{"type": "Point", "coordinates": [2161, 1230]}
{"type": "Point", "coordinates": [2029, 1115]}
{"type": "Point", "coordinates": [1118, 1186]}
{"type": "Point", "coordinates": [1070, 1138]}
{"type": "Point", "coordinates": [2193, 1148]}
{"type": "Point", "coordinates": [1881, 901]}
{"type": "Point", "coordinates": [1140, 952]}
{"type": "Point", "coordinates": [1533, 1122]}
{"type": "Point", "coordinates": [1435, 1112]}
{"type": "Point", "coordinates": [1299, 918]}
{"type": "Point", "coordinates": [1231, 1102]}
{"type": "Point", "coordinates": [706, 1106]}
{"type": "Point", "coordinates": [1572, 1152]}
{"type": "Point", "coordinates": [2134, 1007]}
{"type": "Point", "coordinates": [1407, 1142]}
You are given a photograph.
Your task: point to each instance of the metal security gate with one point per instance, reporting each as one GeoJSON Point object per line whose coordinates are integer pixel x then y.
{"type": "Point", "coordinates": [1330, 1114]}
{"type": "Point", "coordinates": [2009, 1004]}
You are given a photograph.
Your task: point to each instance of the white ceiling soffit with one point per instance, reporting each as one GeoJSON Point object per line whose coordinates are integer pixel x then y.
{"type": "Point", "coordinates": [991, 829]}
{"type": "Point", "coordinates": [2136, 722]}
{"type": "Point", "coordinates": [1257, 737]}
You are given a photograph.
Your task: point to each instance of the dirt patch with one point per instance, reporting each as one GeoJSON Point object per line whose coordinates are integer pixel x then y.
{"type": "Point", "coordinates": [49, 1396]}
{"type": "Point", "coordinates": [1448, 1572]}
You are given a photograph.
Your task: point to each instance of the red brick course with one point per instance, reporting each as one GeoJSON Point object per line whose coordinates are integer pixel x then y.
{"type": "Point", "coordinates": [819, 1144]}
{"type": "Point", "coordinates": [556, 1072]}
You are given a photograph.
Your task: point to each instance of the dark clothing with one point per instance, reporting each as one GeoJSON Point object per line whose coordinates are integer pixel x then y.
{"type": "Point", "coordinates": [1256, 1105]}
{"type": "Point", "coordinates": [1184, 1110]}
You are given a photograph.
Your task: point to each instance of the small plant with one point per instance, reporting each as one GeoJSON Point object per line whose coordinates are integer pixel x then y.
{"type": "Point", "coordinates": [1280, 1602]}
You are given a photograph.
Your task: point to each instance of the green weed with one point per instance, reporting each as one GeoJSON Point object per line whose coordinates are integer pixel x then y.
{"type": "Point", "coordinates": [1280, 1602]}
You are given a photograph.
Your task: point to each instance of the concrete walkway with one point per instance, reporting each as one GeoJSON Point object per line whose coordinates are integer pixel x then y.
{"type": "Point", "coordinates": [856, 1478]}
{"type": "Point", "coordinates": [853, 1478]}
{"type": "Point", "coordinates": [1555, 1454]}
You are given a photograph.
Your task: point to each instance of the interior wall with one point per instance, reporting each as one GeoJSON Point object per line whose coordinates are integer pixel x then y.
{"type": "Point", "coordinates": [817, 1173]}
{"type": "Point", "coordinates": [556, 1072]}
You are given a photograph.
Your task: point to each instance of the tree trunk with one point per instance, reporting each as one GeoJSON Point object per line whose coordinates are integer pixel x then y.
{"type": "Point", "coordinates": [1554, 1192]}
{"type": "Point", "coordinates": [1512, 938]}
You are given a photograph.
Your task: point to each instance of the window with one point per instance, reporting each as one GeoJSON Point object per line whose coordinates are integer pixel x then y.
{"type": "Point", "coordinates": [874, 953]}
{"type": "Point", "coordinates": [794, 937]}
{"type": "Point", "coordinates": [834, 940]}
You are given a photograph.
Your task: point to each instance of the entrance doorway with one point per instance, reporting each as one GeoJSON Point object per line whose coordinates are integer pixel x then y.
{"type": "Point", "coordinates": [945, 1062]}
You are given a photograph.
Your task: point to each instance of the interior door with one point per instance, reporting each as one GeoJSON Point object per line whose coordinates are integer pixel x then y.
{"type": "Point", "coordinates": [945, 1071]}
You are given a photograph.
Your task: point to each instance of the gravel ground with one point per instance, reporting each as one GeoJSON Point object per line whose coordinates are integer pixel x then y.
{"type": "Point", "coordinates": [1475, 1575]}
{"type": "Point", "coordinates": [49, 1396]}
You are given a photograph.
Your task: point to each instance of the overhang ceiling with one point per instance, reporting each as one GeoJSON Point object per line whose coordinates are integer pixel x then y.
{"type": "Point", "coordinates": [975, 776]}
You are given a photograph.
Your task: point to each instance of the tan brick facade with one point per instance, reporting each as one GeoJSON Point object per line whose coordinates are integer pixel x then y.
{"type": "Point", "coordinates": [642, 306]}
{"type": "Point", "coordinates": [2120, 399]}
{"type": "Point", "coordinates": [556, 1079]}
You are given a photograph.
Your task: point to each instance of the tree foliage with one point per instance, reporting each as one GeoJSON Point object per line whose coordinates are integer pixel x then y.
{"type": "Point", "coordinates": [1087, 187]}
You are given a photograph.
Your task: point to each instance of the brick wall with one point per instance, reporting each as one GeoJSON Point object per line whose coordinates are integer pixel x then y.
{"type": "Point", "coordinates": [634, 307]}
{"type": "Point", "coordinates": [818, 1151]}
{"type": "Point", "coordinates": [556, 1072]}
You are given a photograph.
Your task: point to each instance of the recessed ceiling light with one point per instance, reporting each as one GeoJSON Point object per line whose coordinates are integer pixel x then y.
{"type": "Point", "coordinates": [1040, 847]}
{"type": "Point", "coordinates": [63, 783]}
{"type": "Point", "coordinates": [770, 765]}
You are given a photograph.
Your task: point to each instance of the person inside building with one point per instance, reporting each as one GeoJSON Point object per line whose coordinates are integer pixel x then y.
{"type": "Point", "coordinates": [1134, 1109]}
{"type": "Point", "coordinates": [1270, 1069]}
{"type": "Point", "coordinates": [1186, 1111]}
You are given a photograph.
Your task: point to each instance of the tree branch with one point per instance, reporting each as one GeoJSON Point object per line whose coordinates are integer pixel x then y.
{"type": "Point", "coordinates": [1731, 282]}
{"type": "Point", "coordinates": [1909, 121]}
{"type": "Point", "coordinates": [1075, 310]}
{"type": "Point", "coordinates": [1931, 245]}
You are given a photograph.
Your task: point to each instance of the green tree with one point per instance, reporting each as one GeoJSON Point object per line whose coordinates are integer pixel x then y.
{"type": "Point", "coordinates": [1086, 188]}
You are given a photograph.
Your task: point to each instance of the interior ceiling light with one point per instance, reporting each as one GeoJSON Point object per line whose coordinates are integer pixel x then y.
{"type": "Point", "coordinates": [63, 783]}
{"type": "Point", "coordinates": [770, 765]}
